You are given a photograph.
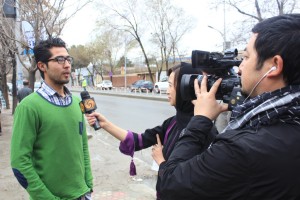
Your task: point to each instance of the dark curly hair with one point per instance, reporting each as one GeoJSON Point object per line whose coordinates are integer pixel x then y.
{"type": "Point", "coordinates": [42, 50]}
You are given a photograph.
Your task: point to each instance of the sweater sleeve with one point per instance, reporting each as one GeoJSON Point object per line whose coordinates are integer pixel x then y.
{"type": "Point", "coordinates": [25, 127]}
{"type": "Point", "coordinates": [87, 161]}
{"type": "Point", "coordinates": [135, 141]}
{"type": "Point", "coordinates": [127, 146]}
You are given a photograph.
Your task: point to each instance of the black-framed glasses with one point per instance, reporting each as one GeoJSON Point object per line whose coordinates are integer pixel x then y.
{"type": "Point", "coordinates": [62, 59]}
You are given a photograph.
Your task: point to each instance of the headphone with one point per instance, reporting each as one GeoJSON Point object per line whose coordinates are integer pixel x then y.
{"type": "Point", "coordinates": [272, 69]}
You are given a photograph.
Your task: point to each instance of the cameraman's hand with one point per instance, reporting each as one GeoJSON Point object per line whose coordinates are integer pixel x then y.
{"type": "Point", "coordinates": [206, 103]}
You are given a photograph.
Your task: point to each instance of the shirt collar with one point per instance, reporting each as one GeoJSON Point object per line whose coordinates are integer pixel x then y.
{"type": "Point", "coordinates": [51, 91]}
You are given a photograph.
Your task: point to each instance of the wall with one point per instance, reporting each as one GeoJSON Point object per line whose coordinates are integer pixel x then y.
{"type": "Point", "coordinates": [119, 80]}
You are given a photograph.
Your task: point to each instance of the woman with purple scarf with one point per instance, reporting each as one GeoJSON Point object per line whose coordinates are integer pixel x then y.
{"type": "Point", "coordinates": [166, 134]}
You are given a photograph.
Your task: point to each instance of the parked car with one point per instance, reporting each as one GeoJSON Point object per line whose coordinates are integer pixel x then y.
{"type": "Point", "coordinates": [147, 85]}
{"type": "Point", "coordinates": [137, 85]}
{"type": "Point", "coordinates": [162, 85]}
{"type": "Point", "coordinates": [105, 85]}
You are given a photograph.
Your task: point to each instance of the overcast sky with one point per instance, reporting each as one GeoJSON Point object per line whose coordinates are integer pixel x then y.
{"type": "Point", "coordinates": [78, 29]}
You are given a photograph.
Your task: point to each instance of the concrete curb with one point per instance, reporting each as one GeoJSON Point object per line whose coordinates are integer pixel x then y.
{"type": "Point", "coordinates": [126, 95]}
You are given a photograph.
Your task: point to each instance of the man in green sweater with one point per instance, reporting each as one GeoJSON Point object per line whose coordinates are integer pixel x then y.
{"type": "Point", "coordinates": [49, 146]}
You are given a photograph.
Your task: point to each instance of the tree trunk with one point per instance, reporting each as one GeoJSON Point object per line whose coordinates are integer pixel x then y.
{"type": "Point", "coordinates": [14, 81]}
{"type": "Point", "coordinates": [146, 60]}
{"type": "Point", "coordinates": [4, 86]}
{"type": "Point", "coordinates": [31, 77]}
{"type": "Point", "coordinates": [31, 74]}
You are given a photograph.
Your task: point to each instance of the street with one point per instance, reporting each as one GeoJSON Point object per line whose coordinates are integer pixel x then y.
{"type": "Point", "coordinates": [131, 114]}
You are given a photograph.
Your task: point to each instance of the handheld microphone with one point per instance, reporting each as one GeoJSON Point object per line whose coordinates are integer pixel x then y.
{"type": "Point", "coordinates": [88, 105]}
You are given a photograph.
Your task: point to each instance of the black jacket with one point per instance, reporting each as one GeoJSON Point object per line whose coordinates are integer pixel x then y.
{"type": "Point", "coordinates": [171, 128]}
{"type": "Point", "coordinates": [240, 164]}
{"type": "Point", "coordinates": [25, 91]}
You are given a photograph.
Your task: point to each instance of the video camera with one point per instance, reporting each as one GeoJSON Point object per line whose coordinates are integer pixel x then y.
{"type": "Point", "coordinates": [217, 65]}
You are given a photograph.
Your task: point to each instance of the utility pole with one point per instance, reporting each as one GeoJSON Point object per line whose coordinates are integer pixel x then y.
{"type": "Point", "coordinates": [18, 38]}
{"type": "Point", "coordinates": [9, 12]}
{"type": "Point", "coordinates": [223, 36]}
{"type": "Point", "coordinates": [125, 65]}
{"type": "Point", "coordinates": [226, 44]}
{"type": "Point", "coordinates": [224, 25]}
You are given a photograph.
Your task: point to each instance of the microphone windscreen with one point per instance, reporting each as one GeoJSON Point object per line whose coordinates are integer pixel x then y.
{"type": "Point", "coordinates": [85, 95]}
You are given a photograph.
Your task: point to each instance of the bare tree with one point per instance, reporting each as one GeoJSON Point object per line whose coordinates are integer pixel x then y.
{"type": "Point", "coordinates": [5, 66]}
{"type": "Point", "coordinates": [168, 24]}
{"type": "Point", "coordinates": [106, 47]}
{"type": "Point", "coordinates": [261, 9]}
{"type": "Point", "coordinates": [97, 53]}
{"type": "Point", "coordinates": [47, 19]}
{"type": "Point", "coordinates": [127, 16]}
{"type": "Point", "coordinates": [253, 12]}
{"type": "Point", "coordinates": [7, 51]}
{"type": "Point", "coordinates": [81, 59]}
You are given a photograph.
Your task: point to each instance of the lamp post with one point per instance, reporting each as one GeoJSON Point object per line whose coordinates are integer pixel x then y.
{"type": "Point", "coordinates": [125, 65]}
{"type": "Point", "coordinates": [223, 36]}
{"type": "Point", "coordinates": [224, 23]}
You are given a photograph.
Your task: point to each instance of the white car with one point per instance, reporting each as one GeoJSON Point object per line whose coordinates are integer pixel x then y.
{"type": "Point", "coordinates": [105, 85]}
{"type": "Point", "coordinates": [162, 85]}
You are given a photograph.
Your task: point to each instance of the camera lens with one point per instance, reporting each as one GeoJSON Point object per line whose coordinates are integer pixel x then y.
{"type": "Point", "coordinates": [187, 86]}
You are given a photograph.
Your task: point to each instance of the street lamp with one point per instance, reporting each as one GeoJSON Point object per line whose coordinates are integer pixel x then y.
{"type": "Point", "coordinates": [223, 36]}
{"type": "Point", "coordinates": [226, 45]}
{"type": "Point", "coordinates": [125, 66]}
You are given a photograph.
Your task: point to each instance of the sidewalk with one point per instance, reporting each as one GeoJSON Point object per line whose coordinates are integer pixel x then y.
{"type": "Point", "coordinates": [9, 187]}
{"type": "Point", "coordinates": [110, 169]}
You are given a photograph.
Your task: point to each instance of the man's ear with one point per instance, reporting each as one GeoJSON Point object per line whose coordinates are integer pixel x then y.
{"type": "Point", "coordinates": [278, 63]}
{"type": "Point", "coordinates": [41, 66]}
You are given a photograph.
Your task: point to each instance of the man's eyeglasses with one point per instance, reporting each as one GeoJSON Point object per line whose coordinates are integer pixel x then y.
{"type": "Point", "coordinates": [62, 59]}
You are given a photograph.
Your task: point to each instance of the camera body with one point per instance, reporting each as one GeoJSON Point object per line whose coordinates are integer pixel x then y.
{"type": "Point", "coordinates": [224, 91]}
{"type": "Point", "coordinates": [217, 65]}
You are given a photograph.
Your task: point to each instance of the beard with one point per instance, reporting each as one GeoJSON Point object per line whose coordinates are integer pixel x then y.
{"type": "Point", "coordinates": [62, 82]}
{"type": "Point", "coordinates": [58, 79]}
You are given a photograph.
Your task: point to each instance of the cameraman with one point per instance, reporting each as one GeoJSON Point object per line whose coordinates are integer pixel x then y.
{"type": "Point", "coordinates": [258, 155]}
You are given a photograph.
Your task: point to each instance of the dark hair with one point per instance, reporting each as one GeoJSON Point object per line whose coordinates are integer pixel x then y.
{"type": "Point", "coordinates": [25, 82]}
{"type": "Point", "coordinates": [42, 50]}
{"type": "Point", "coordinates": [184, 109]}
{"type": "Point", "coordinates": [280, 35]}
{"type": "Point", "coordinates": [176, 70]}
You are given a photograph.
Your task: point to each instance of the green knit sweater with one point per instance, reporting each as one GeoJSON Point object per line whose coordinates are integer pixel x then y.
{"type": "Point", "coordinates": [49, 149]}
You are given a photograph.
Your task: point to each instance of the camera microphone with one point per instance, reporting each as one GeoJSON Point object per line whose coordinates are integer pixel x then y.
{"type": "Point", "coordinates": [88, 105]}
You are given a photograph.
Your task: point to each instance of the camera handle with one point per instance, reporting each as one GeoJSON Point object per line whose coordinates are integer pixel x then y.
{"type": "Point", "coordinates": [235, 98]}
